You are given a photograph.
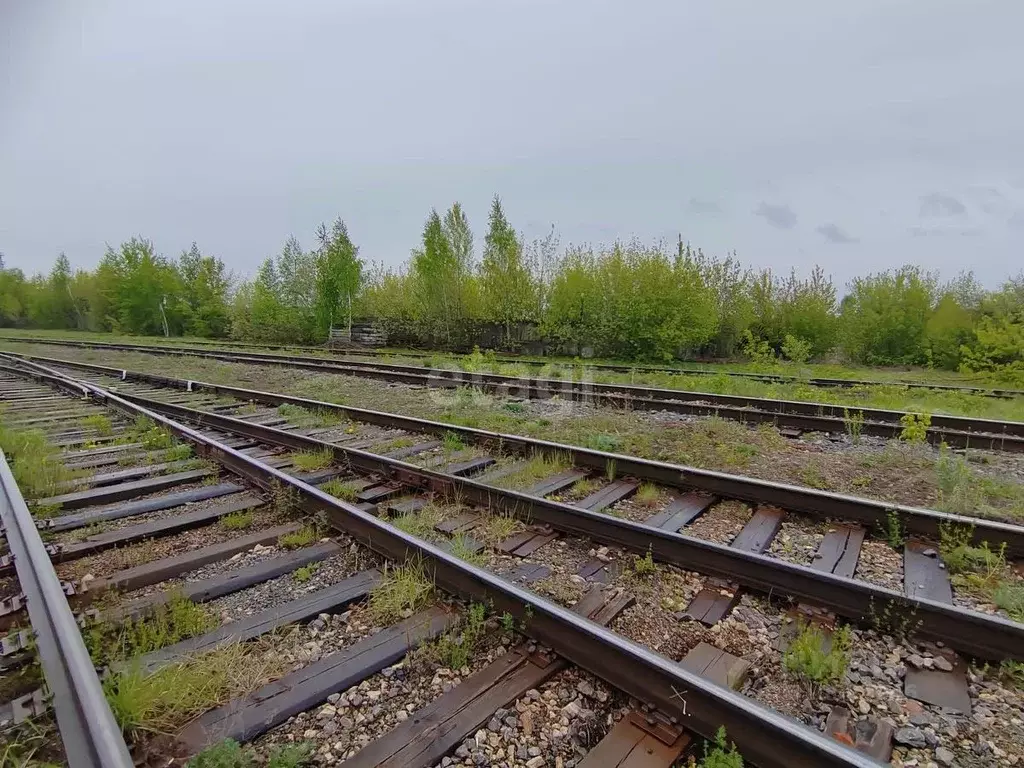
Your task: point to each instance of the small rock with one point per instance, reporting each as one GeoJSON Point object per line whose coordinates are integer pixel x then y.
{"type": "Point", "coordinates": [941, 662]}
{"type": "Point", "coordinates": [944, 756]}
{"type": "Point", "coordinates": [535, 762]}
{"type": "Point", "coordinates": [911, 737]}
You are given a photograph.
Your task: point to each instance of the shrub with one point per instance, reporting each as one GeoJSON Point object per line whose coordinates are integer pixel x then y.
{"type": "Point", "coordinates": [959, 490]}
{"type": "Point", "coordinates": [807, 659]}
{"type": "Point", "coordinates": [644, 566]}
{"type": "Point", "coordinates": [915, 427]}
{"type": "Point", "coordinates": [796, 350]}
{"type": "Point", "coordinates": [455, 649]}
{"type": "Point", "coordinates": [721, 755]}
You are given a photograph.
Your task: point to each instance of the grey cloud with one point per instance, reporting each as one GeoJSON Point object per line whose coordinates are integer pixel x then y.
{"type": "Point", "coordinates": [568, 147]}
{"type": "Point", "coordinates": [696, 205]}
{"type": "Point", "coordinates": [940, 205]}
{"type": "Point", "coordinates": [835, 234]}
{"type": "Point", "coordinates": [1017, 220]}
{"type": "Point", "coordinates": [956, 231]}
{"type": "Point", "coordinates": [780, 216]}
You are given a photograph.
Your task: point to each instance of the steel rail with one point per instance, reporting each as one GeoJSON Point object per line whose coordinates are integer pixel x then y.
{"type": "Point", "coordinates": [956, 431]}
{"type": "Point", "coordinates": [88, 731]}
{"type": "Point", "coordinates": [823, 504]}
{"type": "Point", "coordinates": [976, 633]}
{"type": "Point", "coordinates": [765, 737]}
{"type": "Point", "coordinates": [616, 367]}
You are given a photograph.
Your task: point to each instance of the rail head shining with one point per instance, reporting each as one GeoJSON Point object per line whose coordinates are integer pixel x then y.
{"type": "Point", "coordinates": [88, 730]}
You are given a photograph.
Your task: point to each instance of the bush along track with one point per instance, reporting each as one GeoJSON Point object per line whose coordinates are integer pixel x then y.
{"type": "Point", "coordinates": [654, 559]}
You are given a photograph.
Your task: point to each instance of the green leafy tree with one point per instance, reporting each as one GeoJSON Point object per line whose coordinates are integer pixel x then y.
{"type": "Point", "coordinates": [386, 297]}
{"type": "Point", "coordinates": [807, 311]}
{"type": "Point", "coordinates": [14, 297]}
{"type": "Point", "coordinates": [884, 317]}
{"type": "Point", "coordinates": [279, 304]}
{"type": "Point", "coordinates": [729, 284]}
{"type": "Point", "coordinates": [508, 289]}
{"type": "Point", "coordinates": [631, 301]}
{"type": "Point", "coordinates": [999, 334]}
{"type": "Point", "coordinates": [204, 284]}
{"type": "Point", "coordinates": [441, 276]}
{"type": "Point", "coordinates": [949, 327]}
{"type": "Point", "coordinates": [338, 273]}
{"type": "Point", "coordinates": [138, 291]}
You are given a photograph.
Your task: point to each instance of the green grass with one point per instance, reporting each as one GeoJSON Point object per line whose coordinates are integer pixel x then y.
{"type": "Point", "coordinates": [888, 393]}
{"type": "Point", "coordinates": [29, 744]}
{"type": "Point", "coordinates": [808, 660]}
{"type": "Point", "coordinates": [644, 566]}
{"type": "Point", "coordinates": [305, 417]}
{"type": "Point", "coordinates": [455, 650]}
{"type": "Point", "coordinates": [402, 591]}
{"type": "Point", "coordinates": [394, 445]}
{"type": "Point", "coordinates": [499, 526]}
{"type": "Point", "coordinates": [341, 489]}
{"type": "Point", "coordinates": [963, 491]}
{"type": "Point", "coordinates": [980, 570]}
{"type": "Point", "coordinates": [420, 524]}
{"type": "Point", "coordinates": [236, 521]}
{"type": "Point", "coordinates": [99, 422]}
{"type": "Point", "coordinates": [152, 436]}
{"type": "Point", "coordinates": [178, 452]}
{"type": "Point", "coordinates": [174, 694]}
{"type": "Point", "coordinates": [452, 442]}
{"type": "Point", "coordinates": [536, 469]}
{"type": "Point", "coordinates": [224, 754]}
{"type": "Point", "coordinates": [37, 466]}
{"type": "Point", "coordinates": [461, 549]}
{"type": "Point", "coordinates": [306, 572]}
{"type": "Point", "coordinates": [585, 487]}
{"type": "Point", "coordinates": [300, 538]}
{"type": "Point", "coordinates": [172, 622]}
{"type": "Point", "coordinates": [1009, 595]}
{"type": "Point", "coordinates": [603, 442]}
{"type": "Point", "coordinates": [812, 477]}
{"type": "Point", "coordinates": [647, 495]}
{"type": "Point", "coordinates": [309, 461]}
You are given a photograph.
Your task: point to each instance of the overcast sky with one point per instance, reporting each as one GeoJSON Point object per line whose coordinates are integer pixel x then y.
{"type": "Point", "coordinates": [857, 135]}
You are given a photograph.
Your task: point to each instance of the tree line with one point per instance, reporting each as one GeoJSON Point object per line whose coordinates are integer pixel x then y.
{"type": "Point", "coordinates": [629, 300]}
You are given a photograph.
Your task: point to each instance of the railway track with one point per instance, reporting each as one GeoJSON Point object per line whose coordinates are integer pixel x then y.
{"type": "Point", "coordinates": [612, 367]}
{"type": "Point", "coordinates": [398, 485]}
{"type": "Point", "coordinates": [792, 417]}
{"type": "Point", "coordinates": [129, 493]}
